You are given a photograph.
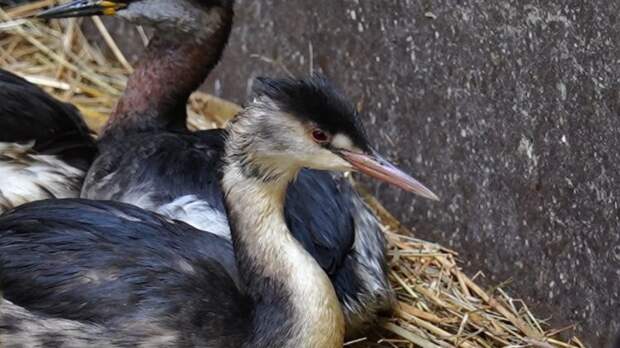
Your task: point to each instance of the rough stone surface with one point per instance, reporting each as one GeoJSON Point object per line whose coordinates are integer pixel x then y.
{"type": "Point", "coordinates": [509, 110]}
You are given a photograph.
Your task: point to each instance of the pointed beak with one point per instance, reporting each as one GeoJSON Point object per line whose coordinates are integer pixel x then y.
{"type": "Point", "coordinates": [81, 8]}
{"type": "Point", "coordinates": [379, 168]}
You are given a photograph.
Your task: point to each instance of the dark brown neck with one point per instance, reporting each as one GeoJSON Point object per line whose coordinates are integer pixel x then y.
{"type": "Point", "coordinates": [172, 68]}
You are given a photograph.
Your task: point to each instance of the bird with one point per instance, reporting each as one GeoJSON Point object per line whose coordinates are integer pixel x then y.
{"type": "Point", "coordinates": [158, 282]}
{"type": "Point", "coordinates": [148, 157]}
{"type": "Point", "coordinates": [45, 146]}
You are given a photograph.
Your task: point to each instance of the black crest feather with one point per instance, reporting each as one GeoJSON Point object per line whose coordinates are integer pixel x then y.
{"type": "Point", "coordinates": [316, 100]}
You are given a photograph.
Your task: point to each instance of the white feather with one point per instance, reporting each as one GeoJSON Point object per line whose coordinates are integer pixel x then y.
{"type": "Point", "coordinates": [197, 213]}
{"type": "Point", "coordinates": [26, 176]}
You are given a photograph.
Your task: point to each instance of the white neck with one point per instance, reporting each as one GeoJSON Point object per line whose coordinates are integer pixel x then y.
{"type": "Point", "coordinates": [273, 264]}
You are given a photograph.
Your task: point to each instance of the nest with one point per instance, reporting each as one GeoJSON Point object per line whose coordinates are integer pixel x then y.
{"type": "Point", "coordinates": [438, 305]}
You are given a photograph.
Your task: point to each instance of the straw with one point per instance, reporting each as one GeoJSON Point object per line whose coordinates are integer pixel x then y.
{"type": "Point", "coordinates": [438, 305]}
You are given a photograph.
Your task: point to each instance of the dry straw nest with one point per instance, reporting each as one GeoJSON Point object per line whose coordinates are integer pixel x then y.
{"type": "Point", "coordinates": [438, 305]}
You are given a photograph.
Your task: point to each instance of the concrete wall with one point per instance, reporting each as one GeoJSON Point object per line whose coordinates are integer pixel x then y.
{"type": "Point", "coordinates": [509, 110]}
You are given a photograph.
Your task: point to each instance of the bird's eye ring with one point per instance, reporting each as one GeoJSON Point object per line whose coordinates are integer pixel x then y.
{"type": "Point", "coordinates": [320, 136]}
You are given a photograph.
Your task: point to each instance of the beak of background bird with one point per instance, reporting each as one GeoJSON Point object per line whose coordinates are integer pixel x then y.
{"type": "Point", "coordinates": [81, 8]}
{"type": "Point", "coordinates": [375, 166]}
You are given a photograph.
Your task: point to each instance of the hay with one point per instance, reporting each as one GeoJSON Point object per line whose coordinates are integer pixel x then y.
{"type": "Point", "coordinates": [438, 305]}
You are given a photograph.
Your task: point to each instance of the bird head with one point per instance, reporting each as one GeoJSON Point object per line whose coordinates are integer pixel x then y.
{"type": "Point", "coordinates": [184, 16]}
{"type": "Point", "coordinates": [292, 124]}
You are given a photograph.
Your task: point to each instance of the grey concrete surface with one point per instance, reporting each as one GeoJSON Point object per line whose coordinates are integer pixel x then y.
{"type": "Point", "coordinates": [509, 110]}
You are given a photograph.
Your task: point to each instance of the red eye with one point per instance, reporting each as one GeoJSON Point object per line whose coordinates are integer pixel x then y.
{"type": "Point", "coordinates": [320, 136]}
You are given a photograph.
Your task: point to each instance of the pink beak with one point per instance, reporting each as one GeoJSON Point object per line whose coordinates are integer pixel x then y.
{"type": "Point", "coordinates": [377, 167]}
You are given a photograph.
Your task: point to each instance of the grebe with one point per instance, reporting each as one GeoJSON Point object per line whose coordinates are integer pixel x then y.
{"type": "Point", "coordinates": [149, 281]}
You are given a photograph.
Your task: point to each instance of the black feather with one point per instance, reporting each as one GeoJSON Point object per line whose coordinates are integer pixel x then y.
{"type": "Point", "coordinates": [27, 113]}
{"type": "Point", "coordinates": [318, 215]}
{"type": "Point", "coordinates": [118, 253]}
{"type": "Point", "coordinates": [92, 260]}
